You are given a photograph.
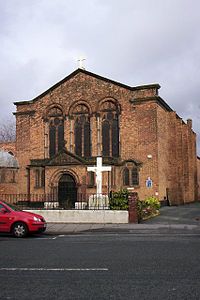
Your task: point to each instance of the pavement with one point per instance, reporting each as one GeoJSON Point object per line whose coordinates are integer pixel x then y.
{"type": "Point", "coordinates": [181, 219]}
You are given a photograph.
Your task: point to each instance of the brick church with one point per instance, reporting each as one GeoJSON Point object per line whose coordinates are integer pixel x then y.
{"type": "Point", "coordinates": [62, 131]}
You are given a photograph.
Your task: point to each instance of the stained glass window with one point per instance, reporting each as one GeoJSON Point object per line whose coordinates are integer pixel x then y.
{"type": "Point", "coordinates": [130, 176]}
{"type": "Point", "coordinates": [115, 138]}
{"type": "Point", "coordinates": [87, 147]}
{"type": "Point", "coordinates": [82, 131]}
{"type": "Point", "coordinates": [52, 140]}
{"type": "Point", "coordinates": [126, 177]}
{"type": "Point", "coordinates": [106, 138]}
{"type": "Point", "coordinates": [78, 138]}
{"type": "Point", "coordinates": [110, 129]}
{"type": "Point", "coordinates": [61, 135]}
{"type": "Point", "coordinates": [135, 177]}
{"type": "Point", "coordinates": [56, 130]}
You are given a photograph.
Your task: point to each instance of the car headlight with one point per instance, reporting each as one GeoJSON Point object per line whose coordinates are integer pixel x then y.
{"type": "Point", "coordinates": [36, 219]}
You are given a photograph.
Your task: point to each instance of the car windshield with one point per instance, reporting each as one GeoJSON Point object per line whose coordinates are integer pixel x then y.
{"type": "Point", "coordinates": [13, 207]}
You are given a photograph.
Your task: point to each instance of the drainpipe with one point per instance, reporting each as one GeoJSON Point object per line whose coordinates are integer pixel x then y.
{"type": "Point", "coordinates": [28, 184]}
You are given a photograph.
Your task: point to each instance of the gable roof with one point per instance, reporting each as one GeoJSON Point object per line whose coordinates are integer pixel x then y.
{"type": "Point", "coordinates": [157, 86]}
{"type": "Point", "coordinates": [62, 158]}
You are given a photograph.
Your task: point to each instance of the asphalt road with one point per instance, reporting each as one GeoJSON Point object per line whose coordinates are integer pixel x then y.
{"type": "Point", "coordinates": [101, 266]}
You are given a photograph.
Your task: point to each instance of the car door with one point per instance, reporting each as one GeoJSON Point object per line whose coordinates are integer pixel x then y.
{"type": "Point", "coordinates": [4, 219]}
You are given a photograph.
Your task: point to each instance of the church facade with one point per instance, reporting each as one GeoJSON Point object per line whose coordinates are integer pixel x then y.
{"type": "Point", "coordinates": [61, 132]}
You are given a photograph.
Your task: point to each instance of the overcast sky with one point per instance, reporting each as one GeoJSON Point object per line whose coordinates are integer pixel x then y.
{"type": "Point", "coordinates": [134, 42]}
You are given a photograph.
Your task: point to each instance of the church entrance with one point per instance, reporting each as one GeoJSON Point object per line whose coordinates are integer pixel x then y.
{"type": "Point", "coordinates": [67, 191]}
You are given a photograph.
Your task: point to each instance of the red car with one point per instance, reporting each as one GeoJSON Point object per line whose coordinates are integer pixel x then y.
{"type": "Point", "coordinates": [18, 222]}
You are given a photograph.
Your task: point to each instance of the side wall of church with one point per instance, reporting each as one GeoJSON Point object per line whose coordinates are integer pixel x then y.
{"type": "Point", "coordinates": [146, 145]}
{"type": "Point", "coordinates": [163, 153]}
{"type": "Point", "coordinates": [182, 173]}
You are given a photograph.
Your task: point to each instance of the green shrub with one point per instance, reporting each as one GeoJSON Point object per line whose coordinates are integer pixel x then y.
{"type": "Point", "coordinates": [153, 202]}
{"type": "Point", "coordinates": [119, 200]}
{"type": "Point", "coordinates": [145, 208]}
{"type": "Point", "coordinates": [148, 207]}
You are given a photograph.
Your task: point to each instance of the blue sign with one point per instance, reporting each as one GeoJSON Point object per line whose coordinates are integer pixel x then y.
{"type": "Point", "coordinates": [149, 182]}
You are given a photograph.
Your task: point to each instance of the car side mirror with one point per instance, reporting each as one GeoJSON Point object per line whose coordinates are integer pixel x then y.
{"type": "Point", "coordinates": [3, 210]}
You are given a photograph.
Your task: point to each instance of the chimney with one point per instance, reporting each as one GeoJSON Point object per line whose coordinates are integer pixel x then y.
{"type": "Point", "coordinates": [189, 123]}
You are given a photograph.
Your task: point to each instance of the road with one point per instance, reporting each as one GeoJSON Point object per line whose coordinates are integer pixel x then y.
{"type": "Point", "coordinates": [101, 266]}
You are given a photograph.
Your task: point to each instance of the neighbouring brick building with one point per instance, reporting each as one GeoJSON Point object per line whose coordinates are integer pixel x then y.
{"type": "Point", "coordinates": [62, 131]}
{"type": "Point", "coordinates": [198, 177]}
{"type": "Point", "coordinates": [8, 169]}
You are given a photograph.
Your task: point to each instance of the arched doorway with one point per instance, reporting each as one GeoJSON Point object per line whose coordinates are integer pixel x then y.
{"type": "Point", "coordinates": [67, 191]}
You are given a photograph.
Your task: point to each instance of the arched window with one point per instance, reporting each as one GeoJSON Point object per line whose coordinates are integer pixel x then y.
{"type": "Point", "coordinates": [82, 136]}
{"type": "Point", "coordinates": [130, 176]}
{"type": "Point", "coordinates": [135, 176]}
{"type": "Point", "coordinates": [106, 138]}
{"type": "Point", "coordinates": [56, 130]}
{"type": "Point", "coordinates": [87, 143]}
{"type": "Point", "coordinates": [110, 129]}
{"type": "Point", "coordinates": [78, 137]}
{"type": "Point", "coordinates": [126, 176]}
{"type": "Point", "coordinates": [115, 137]}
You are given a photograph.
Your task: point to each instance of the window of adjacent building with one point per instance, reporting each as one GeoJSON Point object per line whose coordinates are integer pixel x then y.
{"type": "Point", "coordinates": [82, 137]}
{"type": "Point", "coordinates": [56, 130]}
{"type": "Point", "coordinates": [130, 176]}
{"type": "Point", "coordinates": [110, 129]}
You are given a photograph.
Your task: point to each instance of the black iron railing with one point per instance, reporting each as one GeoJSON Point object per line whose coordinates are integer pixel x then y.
{"type": "Point", "coordinates": [51, 201]}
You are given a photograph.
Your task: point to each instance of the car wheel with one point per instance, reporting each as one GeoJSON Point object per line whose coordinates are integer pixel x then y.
{"type": "Point", "coordinates": [19, 230]}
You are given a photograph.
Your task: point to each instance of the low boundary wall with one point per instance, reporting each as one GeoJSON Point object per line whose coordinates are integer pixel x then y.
{"type": "Point", "coordinates": [84, 216]}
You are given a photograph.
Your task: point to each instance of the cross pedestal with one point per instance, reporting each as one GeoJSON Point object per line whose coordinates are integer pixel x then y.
{"type": "Point", "coordinates": [99, 200]}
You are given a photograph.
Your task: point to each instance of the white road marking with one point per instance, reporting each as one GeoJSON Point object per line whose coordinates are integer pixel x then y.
{"type": "Point", "coordinates": [55, 237]}
{"type": "Point", "coordinates": [54, 269]}
{"type": "Point", "coordinates": [42, 238]}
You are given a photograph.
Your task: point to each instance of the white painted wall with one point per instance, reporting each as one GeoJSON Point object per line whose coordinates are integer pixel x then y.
{"type": "Point", "coordinates": [84, 216]}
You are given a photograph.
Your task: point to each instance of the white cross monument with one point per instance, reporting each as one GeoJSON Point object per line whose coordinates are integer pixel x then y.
{"type": "Point", "coordinates": [99, 199]}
